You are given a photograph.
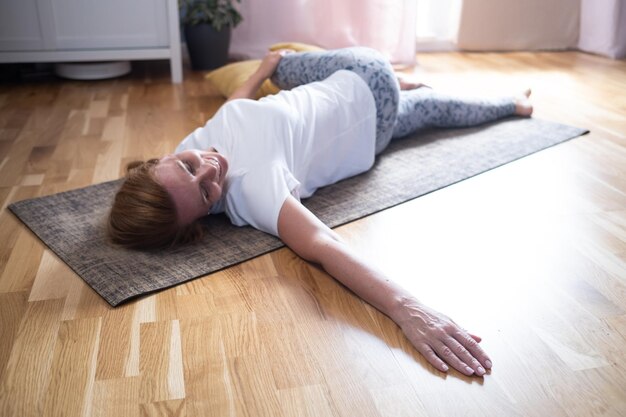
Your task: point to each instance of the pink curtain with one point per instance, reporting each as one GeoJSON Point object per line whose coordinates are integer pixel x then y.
{"type": "Point", "coordinates": [385, 25]}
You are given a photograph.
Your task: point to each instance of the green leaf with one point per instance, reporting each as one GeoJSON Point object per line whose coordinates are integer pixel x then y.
{"type": "Point", "coordinates": [217, 13]}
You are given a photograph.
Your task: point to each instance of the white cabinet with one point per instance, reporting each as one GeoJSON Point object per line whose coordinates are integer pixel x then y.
{"type": "Point", "coordinates": [19, 26]}
{"type": "Point", "coordinates": [90, 30]}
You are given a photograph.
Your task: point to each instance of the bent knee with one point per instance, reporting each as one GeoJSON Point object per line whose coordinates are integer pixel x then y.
{"type": "Point", "coordinates": [367, 52]}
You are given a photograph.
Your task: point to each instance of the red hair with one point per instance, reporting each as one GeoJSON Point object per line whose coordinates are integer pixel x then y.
{"type": "Point", "coordinates": [143, 215]}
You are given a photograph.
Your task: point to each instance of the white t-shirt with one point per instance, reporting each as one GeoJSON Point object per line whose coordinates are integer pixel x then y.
{"type": "Point", "coordinates": [291, 143]}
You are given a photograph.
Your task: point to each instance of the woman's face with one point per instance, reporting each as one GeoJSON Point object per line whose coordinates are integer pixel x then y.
{"type": "Point", "coordinates": [194, 179]}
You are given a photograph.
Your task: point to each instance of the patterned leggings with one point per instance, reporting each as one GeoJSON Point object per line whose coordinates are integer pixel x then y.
{"type": "Point", "coordinates": [398, 113]}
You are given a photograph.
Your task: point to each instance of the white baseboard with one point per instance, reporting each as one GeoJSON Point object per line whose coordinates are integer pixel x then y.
{"type": "Point", "coordinates": [435, 45]}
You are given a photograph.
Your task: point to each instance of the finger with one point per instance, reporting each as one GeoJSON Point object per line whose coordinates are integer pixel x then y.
{"type": "Point", "coordinates": [464, 355]}
{"type": "Point", "coordinates": [476, 338]}
{"type": "Point", "coordinates": [432, 358]}
{"type": "Point", "coordinates": [470, 342]}
{"type": "Point", "coordinates": [451, 358]}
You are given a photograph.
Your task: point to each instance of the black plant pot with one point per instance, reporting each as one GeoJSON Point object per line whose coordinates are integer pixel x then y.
{"type": "Point", "coordinates": [208, 48]}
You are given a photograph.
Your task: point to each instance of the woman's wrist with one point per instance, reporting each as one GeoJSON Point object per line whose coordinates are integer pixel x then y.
{"type": "Point", "coordinates": [405, 308]}
{"type": "Point", "coordinates": [259, 76]}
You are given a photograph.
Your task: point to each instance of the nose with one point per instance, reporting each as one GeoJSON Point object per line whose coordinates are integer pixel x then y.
{"type": "Point", "coordinates": [207, 171]}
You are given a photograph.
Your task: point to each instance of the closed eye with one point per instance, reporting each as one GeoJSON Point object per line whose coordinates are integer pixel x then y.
{"type": "Point", "coordinates": [189, 168]}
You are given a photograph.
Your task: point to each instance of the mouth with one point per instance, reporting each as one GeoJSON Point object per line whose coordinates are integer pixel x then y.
{"type": "Point", "coordinates": [216, 163]}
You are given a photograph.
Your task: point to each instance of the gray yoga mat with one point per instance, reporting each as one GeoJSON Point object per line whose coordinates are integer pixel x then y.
{"type": "Point", "coordinates": [71, 223]}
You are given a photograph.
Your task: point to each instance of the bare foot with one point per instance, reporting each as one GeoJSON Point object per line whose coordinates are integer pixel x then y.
{"type": "Point", "coordinates": [407, 82]}
{"type": "Point", "coordinates": [523, 106]}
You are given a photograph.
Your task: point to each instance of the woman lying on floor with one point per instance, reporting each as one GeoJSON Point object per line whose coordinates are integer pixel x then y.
{"type": "Point", "coordinates": [255, 160]}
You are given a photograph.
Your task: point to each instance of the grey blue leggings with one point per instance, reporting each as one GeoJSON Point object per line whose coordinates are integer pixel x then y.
{"type": "Point", "coordinates": [398, 113]}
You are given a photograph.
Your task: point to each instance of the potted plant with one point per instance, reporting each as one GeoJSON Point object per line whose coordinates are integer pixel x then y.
{"type": "Point", "coordinates": [207, 25]}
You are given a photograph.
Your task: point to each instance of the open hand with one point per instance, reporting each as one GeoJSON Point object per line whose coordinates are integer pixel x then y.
{"type": "Point", "coordinates": [441, 340]}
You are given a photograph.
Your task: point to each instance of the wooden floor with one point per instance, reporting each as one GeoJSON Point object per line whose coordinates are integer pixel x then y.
{"type": "Point", "coordinates": [531, 256]}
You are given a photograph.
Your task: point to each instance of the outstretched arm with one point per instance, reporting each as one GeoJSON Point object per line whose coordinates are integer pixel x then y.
{"type": "Point", "coordinates": [433, 334]}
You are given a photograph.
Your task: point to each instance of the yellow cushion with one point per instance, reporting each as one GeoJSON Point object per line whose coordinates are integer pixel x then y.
{"type": "Point", "coordinates": [296, 46]}
{"type": "Point", "coordinates": [230, 77]}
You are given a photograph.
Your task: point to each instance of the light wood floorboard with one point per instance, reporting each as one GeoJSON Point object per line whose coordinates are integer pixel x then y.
{"type": "Point", "coordinates": [531, 256]}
